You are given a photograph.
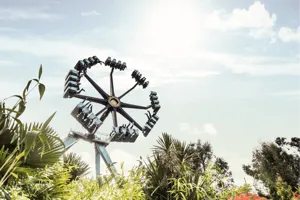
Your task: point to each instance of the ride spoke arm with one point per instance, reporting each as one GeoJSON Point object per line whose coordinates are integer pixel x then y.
{"type": "Point", "coordinates": [128, 91]}
{"type": "Point", "coordinates": [114, 117]}
{"type": "Point", "coordinates": [112, 90]}
{"type": "Point", "coordinates": [96, 86]}
{"type": "Point", "coordinates": [130, 119]}
{"type": "Point", "coordinates": [104, 115]}
{"type": "Point", "coordinates": [127, 105]}
{"type": "Point", "coordinates": [92, 99]}
{"type": "Point", "coordinates": [102, 110]}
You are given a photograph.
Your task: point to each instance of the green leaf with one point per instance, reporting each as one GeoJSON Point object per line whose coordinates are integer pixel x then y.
{"type": "Point", "coordinates": [18, 157]}
{"type": "Point", "coordinates": [18, 96]}
{"type": "Point", "coordinates": [18, 121]}
{"type": "Point", "coordinates": [30, 141]}
{"type": "Point", "coordinates": [26, 89]}
{"type": "Point", "coordinates": [8, 109]}
{"type": "Point", "coordinates": [41, 90]}
{"type": "Point", "coordinates": [48, 121]}
{"type": "Point", "coordinates": [22, 108]}
{"type": "Point", "coordinates": [14, 175]}
{"type": "Point", "coordinates": [40, 71]}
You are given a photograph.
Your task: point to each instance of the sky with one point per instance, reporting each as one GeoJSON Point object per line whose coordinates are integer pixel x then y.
{"type": "Point", "coordinates": [226, 72]}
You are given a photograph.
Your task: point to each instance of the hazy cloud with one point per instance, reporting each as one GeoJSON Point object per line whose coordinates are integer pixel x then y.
{"type": "Point", "coordinates": [33, 14]}
{"type": "Point", "coordinates": [289, 35]}
{"type": "Point", "coordinates": [64, 49]}
{"type": "Point", "coordinates": [287, 93]}
{"type": "Point", "coordinates": [206, 128]}
{"type": "Point", "coordinates": [90, 13]}
{"type": "Point", "coordinates": [184, 126]}
{"type": "Point", "coordinates": [209, 128]}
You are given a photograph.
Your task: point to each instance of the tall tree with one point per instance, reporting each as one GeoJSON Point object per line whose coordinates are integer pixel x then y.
{"type": "Point", "coordinates": [273, 160]}
{"type": "Point", "coordinates": [176, 164]}
{"type": "Point", "coordinates": [204, 156]}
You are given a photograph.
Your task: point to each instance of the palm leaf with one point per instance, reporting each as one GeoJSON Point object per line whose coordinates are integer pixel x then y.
{"type": "Point", "coordinates": [8, 128]}
{"type": "Point", "coordinates": [79, 168]}
{"type": "Point", "coordinates": [10, 163]}
{"type": "Point", "coordinates": [42, 146]}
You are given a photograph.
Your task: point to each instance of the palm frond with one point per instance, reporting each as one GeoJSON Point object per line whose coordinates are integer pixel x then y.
{"type": "Point", "coordinates": [8, 128]}
{"type": "Point", "coordinates": [42, 145]}
{"type": "Point", "coordinates": [78, 167]}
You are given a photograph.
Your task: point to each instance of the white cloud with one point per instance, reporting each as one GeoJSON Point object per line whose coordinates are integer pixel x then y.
{"type": "Point", "coordinates": [206, 128]}
{"type": "Point", "coordinates": [253, 65]}
{"type": "Point", "coordinates": [289, 35]}
{"type": "Point", "coordinates": [159, 72]}
{"type": "Point", "coordinates": [256, 19]}
{"type": "Point", "coordinates": [65, 50]}
{"type": "Point", "coordinates": [184, 126]}
{"type": "Point", "coordinates": [33, 14]}
{"type": "Point", "coordinates": [287, 93]}
{"type": "Point", "coordinates": [90, 13]}
{"type": "Point", "coordinates": [209, 128]}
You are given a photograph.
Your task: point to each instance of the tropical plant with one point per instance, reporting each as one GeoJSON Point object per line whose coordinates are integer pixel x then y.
{"type": "Point", "coordinates": [172, 172]}
{"type": "Point", "coordinates": [273, 160]}
{"type": "Point", "coordinates": [45, 183]}
{"type": "Point", "coordinates": [204, 156]}
{"type": "Point", "coordinates": [121, 187]}
{"type": "Point", "coordinates": [78, 168]}
{"type": "Point", "coordinates": [25, 149]}
{"type": "Point", "coordinates": [40, 143]}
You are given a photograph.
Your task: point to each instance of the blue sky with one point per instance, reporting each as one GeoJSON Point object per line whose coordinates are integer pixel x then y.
{"type": "Point", "coordinates": [225, 71]}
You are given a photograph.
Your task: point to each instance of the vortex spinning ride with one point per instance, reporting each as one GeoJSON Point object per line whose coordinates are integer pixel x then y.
{"type": "Point", "coordinates": [84, 114]}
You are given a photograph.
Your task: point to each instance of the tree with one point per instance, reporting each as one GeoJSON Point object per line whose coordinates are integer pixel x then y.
{"type": "Point", "coordinates": [177, 169]}
{"type": "Point", "coordinates": [204, 156]}
{"type": "Point", "coordinates": [274, 160]}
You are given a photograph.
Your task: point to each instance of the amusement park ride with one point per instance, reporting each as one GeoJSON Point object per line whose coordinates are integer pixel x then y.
{"type": "Point", "coordinates": [84, 114]}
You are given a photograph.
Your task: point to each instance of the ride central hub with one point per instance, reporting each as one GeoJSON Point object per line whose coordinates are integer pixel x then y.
{"type": "Point", "coordinates": [114, 101]}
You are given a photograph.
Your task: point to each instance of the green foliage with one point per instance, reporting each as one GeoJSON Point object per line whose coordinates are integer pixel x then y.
{"type": "Point", "coordinates": [234, 191]}
{"type": "Point", "coordinates": [192, 186]}
{"type": "Point", "coordinates": [284, 191]}
{"type": "Point", "coordinates": [272, 161]}
{"type": "Point", "coordinates": [29, 153]}
{"type": "Point", "coordinates": [174, 172]}
{"type": "Point", "coordinates": [45, 183]}
{"type": "Point", "coordinates": [122, 187]}
{"type": "Point", "coordinates": [78, 168]}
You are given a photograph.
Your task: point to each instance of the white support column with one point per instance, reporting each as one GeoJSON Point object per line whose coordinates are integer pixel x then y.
{"type": "Point", "coordinates": [105, 156]}
{"type": "Point", "coordinates": [97, 160]}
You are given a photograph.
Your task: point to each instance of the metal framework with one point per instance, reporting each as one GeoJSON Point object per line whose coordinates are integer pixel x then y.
{"type": "Point", "coordinates": [112, 103]}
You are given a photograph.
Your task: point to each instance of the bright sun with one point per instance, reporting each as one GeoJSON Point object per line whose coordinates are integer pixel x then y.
{"type": "Point", "coordinates": [173, 26]}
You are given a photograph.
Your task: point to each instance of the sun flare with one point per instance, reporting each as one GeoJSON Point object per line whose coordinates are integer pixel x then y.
{"type": "Point", "coordinates": [172, 26]}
